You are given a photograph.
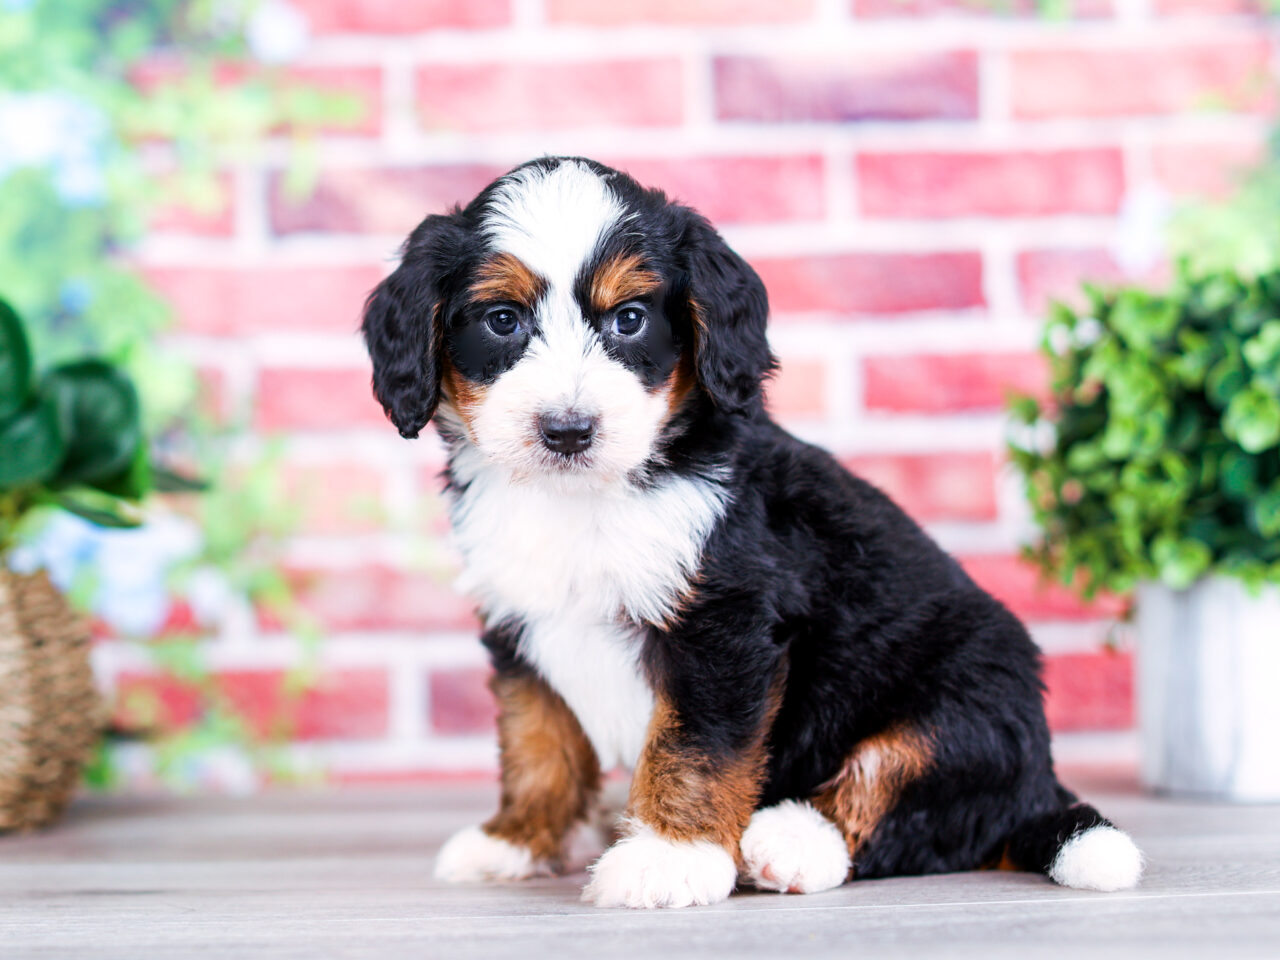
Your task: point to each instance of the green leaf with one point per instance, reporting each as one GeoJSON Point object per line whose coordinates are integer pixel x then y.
{"type": "Point", "coordinates": [169, 481]}
{"type": "Point", "coordinates": [1227, 378]}
{"type": "Point", "coordinates": [101, 420]}
{"type": "Point", "coordinates": [15, 363]}
{"type": "Point", "coordinates": [135, 482]}
{"type": "Point", "coordinates": [1239, 474]}
{"type": "Point", "coordinates": [1120, 438]}
{"type": "Point", "coordinates": [1266, 512]}
{"type": "Point", "coordinates": [100, 509]}
{"type": "Point", "coordinates": [1263, 351]}
{"type": "Point", "coordinates": [33, 445]}
{"type": "Point", "coordinates": [1180, 562]}
{"type": "Point", "coordinates": [1253, 420]}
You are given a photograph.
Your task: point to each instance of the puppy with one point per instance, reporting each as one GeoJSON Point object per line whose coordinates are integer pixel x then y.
{"type": "Point", "coordinates": [805, 687]}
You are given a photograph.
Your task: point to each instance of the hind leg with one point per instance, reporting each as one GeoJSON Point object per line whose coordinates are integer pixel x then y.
{"type": "Point", "coordinates": [804, 847]}
{"type": "Point", "coordinates": [792, 848]}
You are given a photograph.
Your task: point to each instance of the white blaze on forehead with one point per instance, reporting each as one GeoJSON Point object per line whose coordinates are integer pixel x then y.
{"type": "Point", "coordinates": [552, 219]}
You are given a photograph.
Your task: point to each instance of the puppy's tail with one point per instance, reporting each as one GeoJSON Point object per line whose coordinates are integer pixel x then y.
{"type": "Point", "coordinates": [1076, 846]}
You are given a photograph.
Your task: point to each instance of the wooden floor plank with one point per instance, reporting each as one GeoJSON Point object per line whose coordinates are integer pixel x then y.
{"type": "Point", "coordinates": [348, 874]}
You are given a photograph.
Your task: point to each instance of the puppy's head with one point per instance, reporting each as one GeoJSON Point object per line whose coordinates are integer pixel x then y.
{"type": "Point", "coordinates": [563, 319]}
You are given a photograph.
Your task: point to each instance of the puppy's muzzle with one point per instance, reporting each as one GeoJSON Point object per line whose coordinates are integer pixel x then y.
{"type": "Point", "coordinates": [568, 433]}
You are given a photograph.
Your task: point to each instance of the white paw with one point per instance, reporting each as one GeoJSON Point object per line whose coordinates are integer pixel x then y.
{"type": "Point", "coordinates": [473, 856]}
{"type": "Point", "coordinates": [1101, 858]}
{"type": "Point", "coordinates": [644, 870]}
{"type": "Point", "coordinates": [792, 848]}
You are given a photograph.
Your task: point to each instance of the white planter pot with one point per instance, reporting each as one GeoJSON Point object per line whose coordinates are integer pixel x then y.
{"type": "Point", "coordinates": [1209, 690]}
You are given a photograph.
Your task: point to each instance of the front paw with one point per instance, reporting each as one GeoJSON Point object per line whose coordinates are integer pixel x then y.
{"type": "Point", "coordinates": [473, 856]}
{"type": "Point", "coordinates": [645, 870]}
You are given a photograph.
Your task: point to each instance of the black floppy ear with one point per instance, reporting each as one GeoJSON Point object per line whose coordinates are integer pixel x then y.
{"type": "Point", "coordinates": [404, 324]}
{"type": "Point", "coordinates": [729, 309]}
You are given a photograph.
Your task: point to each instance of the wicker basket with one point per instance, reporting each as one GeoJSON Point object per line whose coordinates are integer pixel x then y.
{"type": "Point", "coordinates": [50, 712]}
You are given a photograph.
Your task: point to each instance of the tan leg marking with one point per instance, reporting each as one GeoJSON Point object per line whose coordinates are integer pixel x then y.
{"type": "Point", "coordinates": [689, 796]}
{"type": "Point", "coordinates": [550, 774]}
{"type": "Point", "coordinates": [871, 782]}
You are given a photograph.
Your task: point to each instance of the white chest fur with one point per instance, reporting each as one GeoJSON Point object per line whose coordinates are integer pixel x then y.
{"type": "Point", "coordinates": [580, 568]}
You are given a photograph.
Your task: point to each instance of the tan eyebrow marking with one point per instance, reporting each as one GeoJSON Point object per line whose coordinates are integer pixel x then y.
{"type": "Point", "coordinates": [621, 278]}
{"type": "Point", "coordinates": [505, 277]}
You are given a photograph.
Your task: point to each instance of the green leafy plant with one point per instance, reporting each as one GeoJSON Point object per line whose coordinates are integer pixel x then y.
{"type": "Point", "coordinates": [1158, 453]}
{"type": "Point", "coordinates": [72, 438]}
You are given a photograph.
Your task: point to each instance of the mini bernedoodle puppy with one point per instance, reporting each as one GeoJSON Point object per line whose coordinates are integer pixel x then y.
{"type": "Point", "coordinates": [805, 687]}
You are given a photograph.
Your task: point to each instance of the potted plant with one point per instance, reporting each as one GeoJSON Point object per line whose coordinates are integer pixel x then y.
{"type": "Point", "coordinates": [1154, 469]}
{"type": "Point", "coordinates": [71, 439]}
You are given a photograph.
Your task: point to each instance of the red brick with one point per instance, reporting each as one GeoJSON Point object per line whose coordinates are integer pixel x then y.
{"type": "Point", "coordinates": [227, 301]}
{"type": "Point", "coordinates": [1048, 275]}
{"type": "Point", "coordinates": [213, 395]}
{"type": "Point", "coordinates": [507, 96]}
{"type": "Point", "coordinates": [798, 389]}
{"type": "Point", "coordinates": [369, 200]}
{"type": "Point", "coordinates": [297, 399]}
{"type": "Point", "coordinates": [399, 16]}
{"type": "Point", "coordinates": [943, 383]}
{"type": "Point", "coordinates": [738, 189]}
{"type": "Point", "coordinates": [1208, 8]}
{"type": "Point", "coordinates": [1205, 169]}
{"type": "Point", "coordinates": [1089, 691]}
{"type": "Point", "coordinates": [461, 702]}
{"type": "Point", "coordinates": [382, 598]}
{"type": "Point", "coordinates": [874, 87]}
{"type": "Point", "coordinates": [1010, 184]}
{"type": "Point", "coordinates": [874, 283]}
{"type": "Point", "coordinates": [936, 486]}
{"type": "Point", "coordinates": [336, 498]}
{"type": "Point", "coordinates": [1141, 80]}
{"type": "Point", "coordinates": [726, 12]}
{"type": "Point", "coordinates": [1020, 587]}
{"type": "Point", "coordinates": [432, 511]}
{"type": "Point", "coordinates": [1021, 9]}
{"type": "Point", "coordinates": [342, 704]}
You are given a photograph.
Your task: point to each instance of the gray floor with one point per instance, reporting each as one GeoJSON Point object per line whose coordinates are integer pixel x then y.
{"type": "Point", "coordinates": [348, 874]}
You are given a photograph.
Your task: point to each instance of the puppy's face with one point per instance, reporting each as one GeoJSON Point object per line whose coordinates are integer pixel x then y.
{"type": "Point", "coordinates": [564, 353]}
{"type": "Point", "coordinates": [562, 320]}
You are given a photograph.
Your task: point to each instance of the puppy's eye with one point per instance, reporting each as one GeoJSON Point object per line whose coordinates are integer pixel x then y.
{"type": "Point", "coordinates": [629, 320]}
{"type": "Point", "coordinates": [503, 321]}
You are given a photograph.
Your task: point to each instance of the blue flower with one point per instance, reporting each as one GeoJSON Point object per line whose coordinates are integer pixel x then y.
{"type": "Point", "coordinates": [75, 296]}
{"type": "Point", "coordinates": [66, 546]}
{"type": "Point", "coordinates": [129, 569]}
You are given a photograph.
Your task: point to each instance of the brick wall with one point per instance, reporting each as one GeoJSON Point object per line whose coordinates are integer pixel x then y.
{"type": "Point", "coordinates": [913, 178]}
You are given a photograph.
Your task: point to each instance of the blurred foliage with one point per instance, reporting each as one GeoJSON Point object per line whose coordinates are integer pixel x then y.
{"type": "Point", "coordinates": [1158, 455]}
{"type": "Point", "coordinates": [110, 111]}
{"type": "Point", "coordinates": [127, 108]}
{"type": "Point", "coordinates": [1240, 233]}
{"type": "Point", "coordinates": [244, 518]}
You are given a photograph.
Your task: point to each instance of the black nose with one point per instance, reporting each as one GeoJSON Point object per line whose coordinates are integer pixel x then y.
{"type": "Point", "coordinates": [570, 433]}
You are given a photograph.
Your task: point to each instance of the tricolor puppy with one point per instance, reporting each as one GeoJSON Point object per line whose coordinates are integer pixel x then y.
{"type": "Point", "coordinates": [805, 687]}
